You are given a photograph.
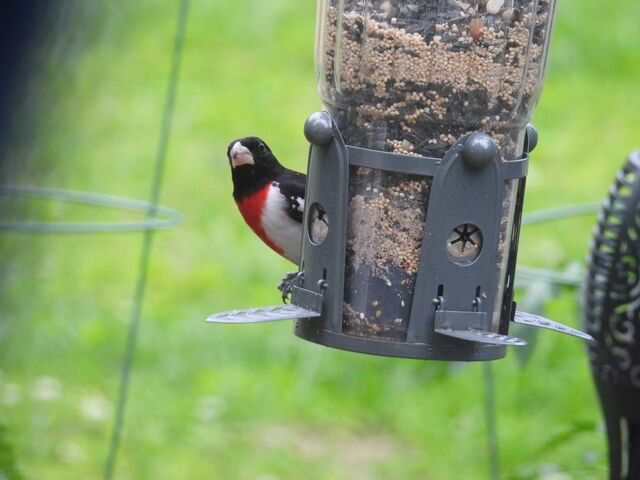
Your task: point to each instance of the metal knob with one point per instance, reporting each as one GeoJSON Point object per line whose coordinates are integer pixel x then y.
{"type": "Point", "coordinates": [479, 150]}
{"type": "Point", "coordinates": [318, 129]}
{"type": "Point", "coordinates": [531, 140]}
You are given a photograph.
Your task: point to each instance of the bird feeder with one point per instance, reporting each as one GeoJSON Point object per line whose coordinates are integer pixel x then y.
{"type": "Point", "coordinates": [416, 177]}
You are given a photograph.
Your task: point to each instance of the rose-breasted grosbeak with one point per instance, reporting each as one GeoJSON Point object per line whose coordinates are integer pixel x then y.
{"type": "Point", "coordinates": [269, 196]}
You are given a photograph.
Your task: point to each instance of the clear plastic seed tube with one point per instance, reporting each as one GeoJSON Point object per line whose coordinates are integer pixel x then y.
{"type": "Point", "coordinates": [413, 77]}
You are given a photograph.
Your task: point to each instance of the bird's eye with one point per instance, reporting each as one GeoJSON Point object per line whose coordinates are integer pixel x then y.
{"type": "Point", "coordinates": [262, 147]}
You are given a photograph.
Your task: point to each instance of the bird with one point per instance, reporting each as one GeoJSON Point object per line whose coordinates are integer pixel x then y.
{"type": "Point", "coordinates": [270, 198]}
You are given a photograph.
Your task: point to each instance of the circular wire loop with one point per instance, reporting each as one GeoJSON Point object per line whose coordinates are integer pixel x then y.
{"type": "Point", "coordinates": [550, 276]}
{"type": "Point", "coordinates": [561, 212]}
{"type": "Point", "coordinates": [160, 217]}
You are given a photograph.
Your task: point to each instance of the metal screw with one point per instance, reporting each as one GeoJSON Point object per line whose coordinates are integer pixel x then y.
{"type": "Point", "coordinates": [438, 302]}
{"type": "Point", "coordinates": [464, 243]}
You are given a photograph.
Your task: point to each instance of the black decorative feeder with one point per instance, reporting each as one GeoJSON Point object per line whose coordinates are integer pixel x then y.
{"type": "Point", "coordinates": [612, 316]}
{"type": "Point", "coordinates": [416, 177]}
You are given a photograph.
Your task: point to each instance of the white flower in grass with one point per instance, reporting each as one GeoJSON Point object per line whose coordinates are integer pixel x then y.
{"type": "Point", "coordinates": [46, 389]}
{"type": "Point", "coordinates": [11, 394]}
{"type": "Point", "coordinates": [267, 476]}
{"type": "Point", "coordinates": [209, 408]}
{"type": "Point", "coordinates": [70, 452]}
{"type": "Point", "coordinates": [555, 476]}
{"type": "Point", "coordinates": [95, 407]}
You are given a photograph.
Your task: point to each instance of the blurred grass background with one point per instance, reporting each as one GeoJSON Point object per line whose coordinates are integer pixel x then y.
{"type": "Point", "coordinates": [255, 402]}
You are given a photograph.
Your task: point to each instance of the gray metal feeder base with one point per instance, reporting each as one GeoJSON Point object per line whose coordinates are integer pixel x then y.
{"type": "Point", "coordinates": [463, 352]}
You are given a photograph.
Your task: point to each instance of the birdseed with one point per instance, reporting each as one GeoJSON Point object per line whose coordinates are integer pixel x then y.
{"type": "Point", "coordinates": [415, 77]}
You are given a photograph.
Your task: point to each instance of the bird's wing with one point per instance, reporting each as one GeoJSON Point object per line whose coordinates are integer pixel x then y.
{"type": "Point", "coordinates": [292, 185]}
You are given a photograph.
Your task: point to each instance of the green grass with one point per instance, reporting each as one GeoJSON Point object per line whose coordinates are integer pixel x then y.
{"type": "Point", "coordinates": [255, 402]}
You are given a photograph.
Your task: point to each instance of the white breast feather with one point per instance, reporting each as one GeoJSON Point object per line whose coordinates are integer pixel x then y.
{"type": "Point", "coordinates": [282, 229]}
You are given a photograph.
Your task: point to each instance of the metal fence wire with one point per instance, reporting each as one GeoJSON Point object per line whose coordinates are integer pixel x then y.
{"type": "Point", "coordinates": [145, 253]}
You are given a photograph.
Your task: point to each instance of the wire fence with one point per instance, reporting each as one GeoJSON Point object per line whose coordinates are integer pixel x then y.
{"type": "Point", "coordinates": [154, 197]}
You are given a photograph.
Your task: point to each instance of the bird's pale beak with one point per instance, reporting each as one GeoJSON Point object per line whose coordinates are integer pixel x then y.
{"type": "Point", "coordinates": [240, 155]}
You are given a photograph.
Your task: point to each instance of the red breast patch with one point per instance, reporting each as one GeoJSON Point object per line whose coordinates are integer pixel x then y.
{"type": "Point", "coordinates": [251, 208]}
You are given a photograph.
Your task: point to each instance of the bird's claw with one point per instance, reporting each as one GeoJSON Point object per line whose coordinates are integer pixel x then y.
{"type": "Point", "coordinates": [287, 283]}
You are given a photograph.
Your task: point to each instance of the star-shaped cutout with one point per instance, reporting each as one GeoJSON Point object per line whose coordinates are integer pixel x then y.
{"type": "Point", "coordinates": [464, 235]}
